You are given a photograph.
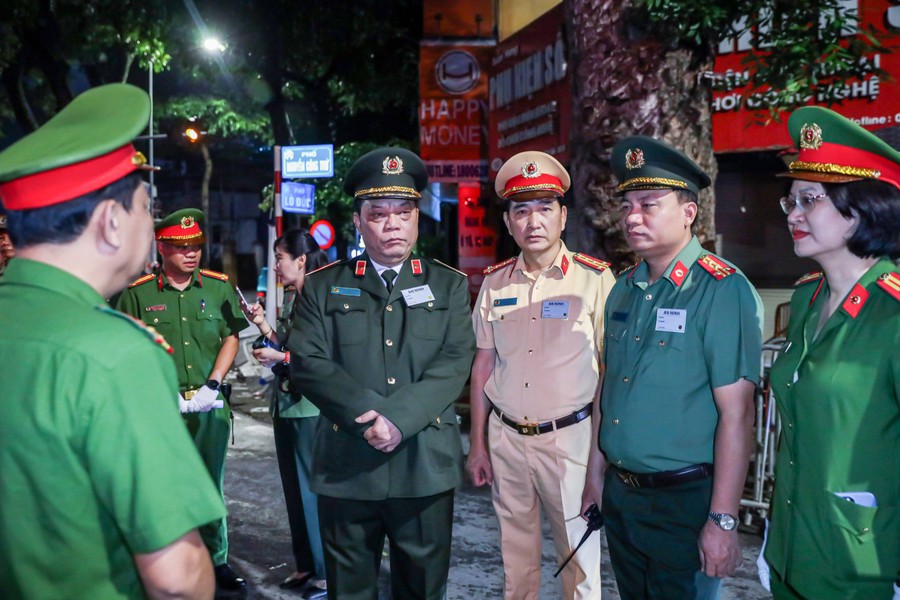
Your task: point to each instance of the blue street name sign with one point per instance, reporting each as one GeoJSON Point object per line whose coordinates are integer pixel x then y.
{"type": "Point", "coordinates": [298, 198]}
{"type": "Point", "coordinates": [307, 161]}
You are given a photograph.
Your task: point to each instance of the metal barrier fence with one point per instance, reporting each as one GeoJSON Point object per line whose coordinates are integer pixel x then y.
{"type": "Point", "coordinates": [761, 478]}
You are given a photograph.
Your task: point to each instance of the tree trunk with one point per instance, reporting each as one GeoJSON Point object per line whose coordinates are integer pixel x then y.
{"type": "Point", "coordinates": [626, 82]}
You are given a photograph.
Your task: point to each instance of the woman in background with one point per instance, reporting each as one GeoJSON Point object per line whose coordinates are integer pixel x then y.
{"type": "Point", "coordinates": [835, 529]}
{"type": "Point", "coordinates": [294, 418]}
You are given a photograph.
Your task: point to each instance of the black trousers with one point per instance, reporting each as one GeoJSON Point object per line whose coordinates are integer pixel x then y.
{"type": "Point", "coordinates": [419, 531]}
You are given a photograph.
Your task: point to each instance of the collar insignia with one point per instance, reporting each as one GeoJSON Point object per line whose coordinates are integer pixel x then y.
{"type": "Point", "coordinates": [810, 137]}
{"type": "Point", "coordinates": [634, 158]}
{"type": "Point", "coordinates": [392, 165]}
{"type": "Point", "coordinates": [530, 170]}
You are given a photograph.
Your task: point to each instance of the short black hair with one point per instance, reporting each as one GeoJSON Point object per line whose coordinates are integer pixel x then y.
{"type": "Point", "coordinates": [877, 206]}
{"type": "Point", "coordinates": [64, 222]}
{"type": "Point", "coordinates": [685, 196]}
{"type": "Point", "coordinates": [297, 243]}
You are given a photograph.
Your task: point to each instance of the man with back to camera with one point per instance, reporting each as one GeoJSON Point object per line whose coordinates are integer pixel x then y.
{"type": "Point", "coordinates": [91, 447]}
{"type": "Point", "coordinates": [683, 341]}
{"type": "Point", "coordinates": [382, 344]}
{"type": "Point", "coordinates": [539, 328]}
{"type": "Point", "coordinates": [197, 311]}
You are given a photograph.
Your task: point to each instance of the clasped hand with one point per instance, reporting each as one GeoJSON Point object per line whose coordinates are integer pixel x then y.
{"type": "Point", "coordinates": [382, 435]}
{"type": "Point", "coordinates": [204, 400]}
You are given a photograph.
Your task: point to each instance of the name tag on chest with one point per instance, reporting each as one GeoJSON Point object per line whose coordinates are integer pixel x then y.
{"type": "Point", "coordinates": [555, 309]}
{"type": "Point", "coordinates": [671, 319]}
{"type": "Point", "coordinates": [417, 295]}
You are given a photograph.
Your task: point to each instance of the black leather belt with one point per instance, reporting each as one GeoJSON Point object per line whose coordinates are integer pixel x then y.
{"type": "Point", "coordinates": [548, 426]}
{"type": "Point", "coordinates": [664, 478]}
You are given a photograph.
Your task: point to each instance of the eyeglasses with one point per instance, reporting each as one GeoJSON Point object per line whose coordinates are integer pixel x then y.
{"type": "Point", "coordinates": [805, 202]}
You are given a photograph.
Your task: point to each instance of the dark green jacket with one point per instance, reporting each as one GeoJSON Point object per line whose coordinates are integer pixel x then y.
{"type": "Point", "coordinates": [354, 348]}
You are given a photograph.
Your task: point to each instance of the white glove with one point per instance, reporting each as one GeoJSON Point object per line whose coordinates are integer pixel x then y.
{"type": "Point", "coordinates": [204, 400]}
{"type": "Point", "coordinates": [762, 567]}
{"type": "Point", "coordinates": [896, 592]}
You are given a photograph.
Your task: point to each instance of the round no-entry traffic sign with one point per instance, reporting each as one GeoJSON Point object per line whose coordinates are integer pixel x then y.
{"type": "Point", "coordinates": [323, 233]}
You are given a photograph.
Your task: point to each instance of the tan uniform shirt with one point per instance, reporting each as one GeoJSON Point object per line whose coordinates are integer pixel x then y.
{"type": "Point", "coordinates": [547, 330]}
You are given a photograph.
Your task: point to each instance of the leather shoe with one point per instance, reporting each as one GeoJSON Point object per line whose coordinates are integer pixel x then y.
{"type": "Point", "coordinates": [227, 579]}
{"type": "Point", "coordinates": [313, 592]}
{"type": "Point", "coordinates": [295, 582]}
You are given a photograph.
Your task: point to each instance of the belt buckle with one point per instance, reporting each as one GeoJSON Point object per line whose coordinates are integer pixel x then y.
{"type": "Point", "coordinates": [190, 394]}
{"type": "Point", "coordinates": [528, 428]}
{"type": "Point", "coordinates": [629, 479]}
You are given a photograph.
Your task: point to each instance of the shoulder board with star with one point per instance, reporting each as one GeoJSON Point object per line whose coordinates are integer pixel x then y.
{"type": "Point", "coordinates": [150, 332]}
{"type": "Point", "coordinates": [715, 266]}
{"type": "Point", "coordinates": [144, 279]}
{"type": "Point", "coordinates": [446, 266]}
{"type": "Point", "coordinates": [214, 274]}
{"type": "Point", "coordinates": [809, 277]}
{"type": "Point", "coordinates": [590, 261]}
{"type": "Point", "coordinates": [498, 266]}
{"type": "Point", "coordinates": [323, 267]}
{"type": "Point", "coordinates": [890, 282]}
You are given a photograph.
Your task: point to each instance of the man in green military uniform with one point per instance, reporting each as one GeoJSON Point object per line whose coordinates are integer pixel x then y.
{"type": "Point", "coordinates": [198, 313]}
{"type": "Point", "coordinates": [7, 250]}
{"type": "Point", "coordinates": [683, 337]}
{"type": "Point", "coordinates": [91, 446]}
{"type": "Point", "coordinates": [382, 344]}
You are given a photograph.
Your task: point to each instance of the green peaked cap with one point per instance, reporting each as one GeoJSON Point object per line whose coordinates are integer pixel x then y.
{"type": "Point", "coordinates": [641, 162]}
{"type": "Point", "coordinates": [387, 173]}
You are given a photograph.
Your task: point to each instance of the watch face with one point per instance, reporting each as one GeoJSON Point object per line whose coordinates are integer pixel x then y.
{"type": "Point", "coordinates": [727, 522]}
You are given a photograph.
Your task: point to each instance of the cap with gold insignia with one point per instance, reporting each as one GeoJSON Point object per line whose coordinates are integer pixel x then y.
{"type": "Point", "coordinates": [182, 228]}
{"type": "Point", "coordinates": [84, 148]}
{"type": "Point", "coordinates": [2, 220]}
{"type": "Point", "coordinates": [645, 163]}
{"type": "Point", "coordinates": [531, 171]}
{"type": "Point", "coordinates": [834, 149]}
{"type": "Point", "coordinates": [387, 173]}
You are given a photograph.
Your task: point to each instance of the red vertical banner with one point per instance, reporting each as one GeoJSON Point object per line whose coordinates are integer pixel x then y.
{"type": "Point", "coordinates": [477, 239]}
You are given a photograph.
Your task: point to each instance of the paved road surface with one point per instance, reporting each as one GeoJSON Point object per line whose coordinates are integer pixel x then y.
{"type": "Point", "coordinates": [259, 536]}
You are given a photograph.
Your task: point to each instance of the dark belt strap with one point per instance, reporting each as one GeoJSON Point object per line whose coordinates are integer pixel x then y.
{"type": "Point", "coordinates": [548, 426]}
{"type": "Point", "coordinates": [664, 478]}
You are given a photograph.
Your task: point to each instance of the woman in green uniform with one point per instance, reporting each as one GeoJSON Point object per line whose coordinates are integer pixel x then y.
{"type": "Point", "coordinates": [835, 530]}
{"type": "Point", "coordinates": [293, 416]}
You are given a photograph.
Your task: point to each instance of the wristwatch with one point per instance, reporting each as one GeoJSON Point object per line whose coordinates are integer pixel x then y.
{"type": "Point", "coordinates": [214, 385]}
{"type": "Point", "coordinates": [723, 520]}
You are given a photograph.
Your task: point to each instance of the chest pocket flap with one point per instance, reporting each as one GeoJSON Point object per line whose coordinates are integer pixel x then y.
{"type": "Point", "coordinates": [349, 316]}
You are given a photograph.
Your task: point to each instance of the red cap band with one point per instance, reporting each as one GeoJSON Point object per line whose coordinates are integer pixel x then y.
{"type": "Point", "coordinates": [520, 183]}
{"type": "Point", "coordinates": [834, 157]}
{"type": "Point", "coordinates": [188, 229]}
{"type": "Point", "coordinates": [70, 181]}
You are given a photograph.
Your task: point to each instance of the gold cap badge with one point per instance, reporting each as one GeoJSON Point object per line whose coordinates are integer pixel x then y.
{"type": "Point", "coordinates": [634, 158]}
{"type": "Point", "coordinates": [187, 222]}
{"type": "Point", "coordinates": [392, 165]}
{"type": "Point", "coordinates": [810, 137]}
{"type": "Point", "coordinates": [531, 170]}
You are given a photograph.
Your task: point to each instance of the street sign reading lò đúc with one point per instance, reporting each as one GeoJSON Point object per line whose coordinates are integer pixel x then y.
{"type": "Point", "coordinates": [299, 162]}
{"type": "Point", "coordinates": [299, 198]}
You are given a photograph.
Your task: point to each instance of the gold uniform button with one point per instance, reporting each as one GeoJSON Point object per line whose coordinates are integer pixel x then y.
{"type": "Point", "coordinates": [391, 381]}
{"type": "Point", "coordinates": [530, 351]}
{"type": "Point", "coordinates": [615, 421]}
{"type": "Point", "coordinates": [438, 420]}
{"type": "Point", "coordinates": [430, 304]}
{"type": "Point", "coordinates": [334, 427]}
{"type": "Point", "coordinates": [637, 338]}
{"type": "Point", "coordinates": [388, 342]}
{"type": "Point", "coordinates": [184, 318]}
{"type": "Point", "coordinates": [789, 502]}
{"type": "Point", "coordinates": [865, 530]}
{"type": "Point", "coordinates": [618, 462]}
{"type": "Point", "coordinates": [662, 343]}
{"type": "Point", "coordinates": [187, 343]}
{"type": "Point", "coordinates": [527, 384]}
{"type": "Point", "coordinates": [156, 320]}
{"type": "Point", "coordinates": [389, 308]}
{"type": "Point", "coordinates": [346, 306]}
{"type": "Point", "coordinates": [790, 425]}
{"type": "Point", "coordinates": [625, 380]}
{"type": "Point", "coordinates": [190, 366]}
{"type": "Point", "coordinates": [648, 297]}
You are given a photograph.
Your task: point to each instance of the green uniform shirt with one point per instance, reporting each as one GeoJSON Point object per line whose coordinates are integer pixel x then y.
{"type": "Point", "coordinates": [285, 404]}
{"type": "Point", "coordinates": [838, 394]}
{"type": "Point", "coordinates": [94, 460]}
{"type": "Point", "coordinates": [356, 347]}
{"type": "Point", "coordinates": [668, 345]}
{"type": "Point", "coordinates": [194, 320]}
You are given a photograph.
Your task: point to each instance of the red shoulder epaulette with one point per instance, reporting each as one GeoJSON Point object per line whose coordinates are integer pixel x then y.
{"type": "Point", "coordinates": [590, 261]}
{"type": "Point", "coordinates": [214, 274]}
{"type": "Point", "coordinates": [815, 276]}
{"type": "Point", "coordinates": [144, 279]}
{"type": "Point", "coordinates": [890, 282]}
{"type": "Point", "coordinates": [498, 266]}
{"type": "Point", "coordinates": [323, 267]}
{"type": "Point", "coordinates": [715, 266]}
